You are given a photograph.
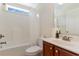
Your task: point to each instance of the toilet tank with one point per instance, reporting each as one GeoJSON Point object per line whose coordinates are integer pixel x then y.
{"type": "Point", "coordinates": [40, 42]}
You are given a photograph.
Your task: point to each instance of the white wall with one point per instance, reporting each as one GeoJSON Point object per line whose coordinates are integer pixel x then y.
{"type": "Point", "coordinates": [34, 28]}
{"type": "Point", "coordinates": [46, 13]}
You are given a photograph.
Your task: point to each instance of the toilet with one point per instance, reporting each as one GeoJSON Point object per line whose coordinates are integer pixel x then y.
{"type": "Point", "coordinates": [35, 49]}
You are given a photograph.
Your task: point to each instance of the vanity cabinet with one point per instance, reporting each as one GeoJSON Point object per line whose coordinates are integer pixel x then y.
{"type": "Point", "coordinates": [53, 50]}
{"type": "Point", "coordinates": [48, 49]}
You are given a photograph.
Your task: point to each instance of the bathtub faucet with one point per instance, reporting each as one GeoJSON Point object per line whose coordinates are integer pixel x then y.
{"type": "Point", "coordinates": [1, 36]}
{"type": "Point", "coordinates": [3, 42]}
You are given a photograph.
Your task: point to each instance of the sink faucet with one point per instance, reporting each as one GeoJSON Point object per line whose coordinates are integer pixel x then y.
{"type": "Point", "coordinates": [69, 38]}
{"type": "Point", "coordinates": [66, 38]}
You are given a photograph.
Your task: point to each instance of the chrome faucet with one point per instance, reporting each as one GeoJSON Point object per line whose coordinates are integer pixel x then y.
{"type": "Point", "coordinates": [69, 38]}
{"type": "Point", "coordinates": [66, 38]}
{"type": "Point", "coordinates": [3, 42]}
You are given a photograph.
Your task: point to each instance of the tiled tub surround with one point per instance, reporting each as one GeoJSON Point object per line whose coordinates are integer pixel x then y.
{"type": "Point", "coordinates": [72, 45]}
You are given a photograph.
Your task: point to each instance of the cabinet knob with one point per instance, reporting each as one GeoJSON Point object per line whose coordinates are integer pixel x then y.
{"type": "Point", "coordinates": [56, 51]}
{"type": "Point", "coordinates": [50, 48]}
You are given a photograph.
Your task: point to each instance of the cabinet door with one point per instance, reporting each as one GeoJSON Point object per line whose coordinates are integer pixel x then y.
{"type": "Point", "coordinates": [66, 53]}
{"type": "Point", "coordinates": [47, 49]}
{"type": "Point", "coordinates": [62, 52]}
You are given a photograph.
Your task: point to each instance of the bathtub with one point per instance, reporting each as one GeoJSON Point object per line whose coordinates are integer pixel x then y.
{"type": "Point", "coordinates": [18, 50]}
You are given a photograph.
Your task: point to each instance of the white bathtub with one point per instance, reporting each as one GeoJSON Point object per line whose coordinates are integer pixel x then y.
{"type": "Point", "coordinates": [18, 50]}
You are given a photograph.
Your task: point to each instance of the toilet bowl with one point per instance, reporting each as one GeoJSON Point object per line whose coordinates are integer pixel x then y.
{"type": "Point", "coordinates": [35, 49]}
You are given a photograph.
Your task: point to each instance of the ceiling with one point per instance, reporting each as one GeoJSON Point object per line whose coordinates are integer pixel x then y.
{"type": "Point", "coordinates": [33, 5]}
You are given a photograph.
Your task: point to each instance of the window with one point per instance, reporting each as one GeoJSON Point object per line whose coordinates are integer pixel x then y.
{"type": "Point", "coordinates": [17, 10]}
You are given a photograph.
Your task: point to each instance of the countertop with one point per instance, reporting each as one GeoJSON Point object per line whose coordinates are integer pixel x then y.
{"type": "Point", "coordinates": [72, 45]}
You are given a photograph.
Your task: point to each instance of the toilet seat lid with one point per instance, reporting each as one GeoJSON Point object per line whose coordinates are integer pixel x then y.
{"type": "Point", "coordinates": [33, 49]}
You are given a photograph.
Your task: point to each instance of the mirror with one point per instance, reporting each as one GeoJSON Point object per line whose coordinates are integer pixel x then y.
{"type": "Point", "coordinates": [67, 18]}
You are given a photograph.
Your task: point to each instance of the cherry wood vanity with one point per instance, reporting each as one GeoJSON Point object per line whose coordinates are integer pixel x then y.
{"type": "Point", "coordinates": [53, 50]}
